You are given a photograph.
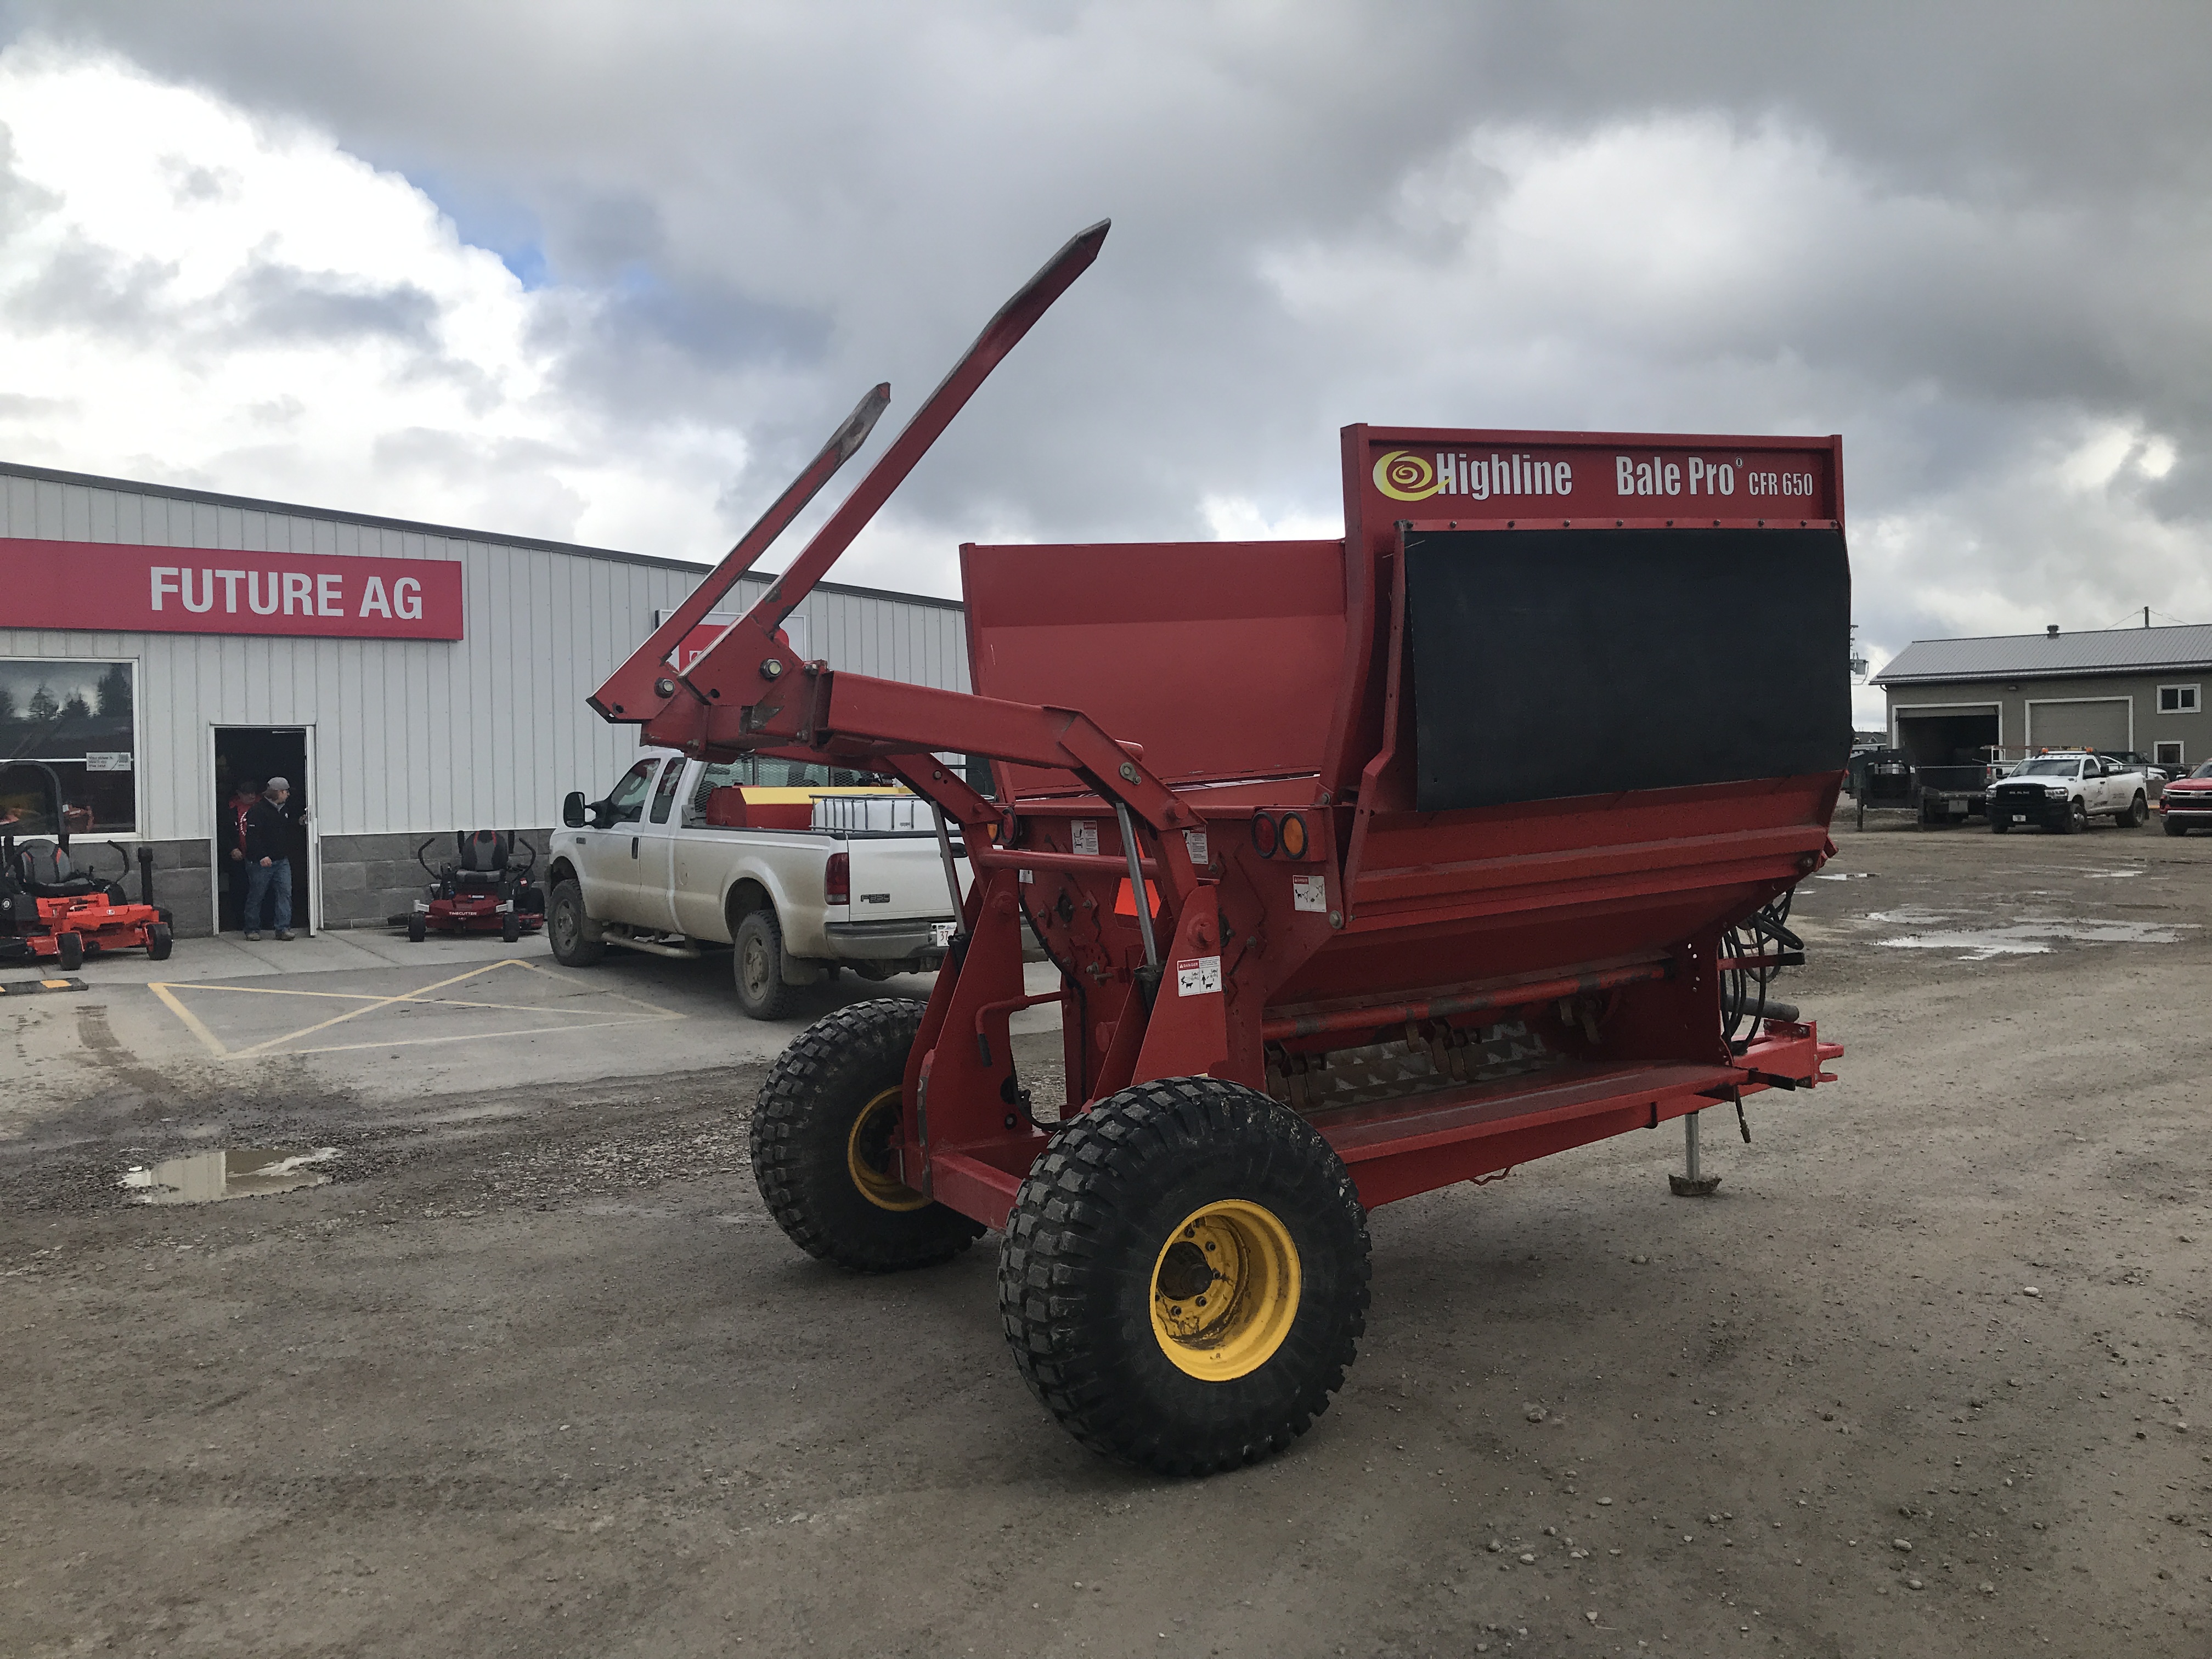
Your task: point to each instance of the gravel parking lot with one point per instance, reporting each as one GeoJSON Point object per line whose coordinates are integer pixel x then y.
{"type": "Point", "coordinates": [533, 1373]}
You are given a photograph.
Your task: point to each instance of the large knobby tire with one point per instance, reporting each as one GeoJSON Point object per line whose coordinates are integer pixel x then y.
{"type": "Point", "coordinates": [1125, 1222]}
{"type": "Point", "coordinates": [2138, 812]}
{"type": "Point", "coordinates": [757, 965]}
{"type": "Point", "coordinates": [565, 924]}
{"type": "Point", "coordinates": [821, 1139]}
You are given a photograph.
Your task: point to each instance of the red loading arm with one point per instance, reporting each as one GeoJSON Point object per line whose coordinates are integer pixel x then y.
{"type": "Point", "coordinates": [744, 652]}
{"type": "Point", "coordinates": [632, 694]}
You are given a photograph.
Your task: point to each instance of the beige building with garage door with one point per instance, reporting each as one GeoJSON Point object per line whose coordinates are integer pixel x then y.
{"type": "Point", "coordinates": [2113, 691]}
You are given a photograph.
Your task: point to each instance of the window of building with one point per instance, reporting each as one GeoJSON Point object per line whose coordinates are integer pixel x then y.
{"type": "Point", "coordinates": [2166, 754]}
{"type": "Point", "coordinates": [78, 718]}
{"type": "Point", "coordinates": [2179, 699]}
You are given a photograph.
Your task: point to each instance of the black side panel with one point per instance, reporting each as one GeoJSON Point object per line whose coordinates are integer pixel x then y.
{"type": "Point", "coordinates": [1552, 663]}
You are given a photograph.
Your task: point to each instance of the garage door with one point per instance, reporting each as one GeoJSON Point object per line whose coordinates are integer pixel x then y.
{"type": "Point", "coordinates": [2087, 724]}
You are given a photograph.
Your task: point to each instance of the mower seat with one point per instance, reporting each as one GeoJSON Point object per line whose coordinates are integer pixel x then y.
{"type": "Point", "coordinates": [43, 869]}
{"type": "Point", "coordinates": [483, 858]}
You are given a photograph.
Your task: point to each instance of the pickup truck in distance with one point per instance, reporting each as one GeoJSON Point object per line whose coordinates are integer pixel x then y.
{"type": "Point", "coordinates": [682, 854]}
{"type": "Point", "coordinates": [2063, 792]}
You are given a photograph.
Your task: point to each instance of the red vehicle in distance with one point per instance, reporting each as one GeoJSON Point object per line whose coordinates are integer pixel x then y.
{"type": "Point", "coordinates": [2187, 803]}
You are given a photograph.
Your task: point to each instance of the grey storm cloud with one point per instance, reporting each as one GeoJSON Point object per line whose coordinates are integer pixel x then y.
{"type": "Point", "coordinates": [1984, 244]}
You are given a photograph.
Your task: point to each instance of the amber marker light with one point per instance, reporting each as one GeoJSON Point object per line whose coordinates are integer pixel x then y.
{"type": "Point", "coordinates": [1293, 834]}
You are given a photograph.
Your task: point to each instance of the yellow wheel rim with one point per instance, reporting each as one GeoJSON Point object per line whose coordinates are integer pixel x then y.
{"type": "Point", "coordinates": [868, 1156]}
{"type": "Point", "coordinates": [1225, 1290]}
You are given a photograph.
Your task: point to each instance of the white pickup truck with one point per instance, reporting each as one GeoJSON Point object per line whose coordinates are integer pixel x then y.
{"type": "Point", "coordinates": [683, 853]}
{"type": "Point", "coordinates": [2063, 792]}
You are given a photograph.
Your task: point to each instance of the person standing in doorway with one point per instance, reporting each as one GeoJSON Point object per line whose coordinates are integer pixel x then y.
{"type": "Point", "coordinates": [269, 855]}
{"type": "Point", "coordinates": [243, 794]}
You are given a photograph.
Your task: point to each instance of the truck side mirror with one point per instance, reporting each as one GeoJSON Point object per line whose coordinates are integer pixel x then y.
{"type": "Point", "coordinates": [572, 809]}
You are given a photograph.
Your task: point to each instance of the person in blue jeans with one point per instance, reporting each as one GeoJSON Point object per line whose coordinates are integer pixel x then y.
{"type": "Point", "coordinates": [269, 855]}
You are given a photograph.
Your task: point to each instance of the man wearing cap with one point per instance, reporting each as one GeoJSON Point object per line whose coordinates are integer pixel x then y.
{"type": "Point", "coordinates": [269, 824]}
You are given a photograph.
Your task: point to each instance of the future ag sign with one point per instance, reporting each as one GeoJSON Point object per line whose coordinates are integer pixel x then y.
{"type": "Point", "coordinates": [112, 588]}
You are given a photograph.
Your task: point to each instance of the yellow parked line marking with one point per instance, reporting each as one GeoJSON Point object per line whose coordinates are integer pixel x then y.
{"type": "Point", "coordinates": [166, 990]}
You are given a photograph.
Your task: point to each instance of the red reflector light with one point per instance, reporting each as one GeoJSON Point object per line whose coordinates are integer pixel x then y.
{"type": "Point", "coordinates": [838, 879]}
{"type": "Point", "coordinates": [1263, 834]}
{"type": "Point", "coordinates": [1294, 836]}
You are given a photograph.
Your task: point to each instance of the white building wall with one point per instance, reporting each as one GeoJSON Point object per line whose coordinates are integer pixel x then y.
{"type": "Point", "coordinates": [416, 734]}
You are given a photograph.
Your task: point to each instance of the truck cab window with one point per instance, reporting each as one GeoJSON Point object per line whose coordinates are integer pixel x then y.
{"type": "Point", "coordinates": [711, 778]}
{"type": "Point", "coordinates": [665, 797]}
{"type": "Point", "coordinates": [627, 799]}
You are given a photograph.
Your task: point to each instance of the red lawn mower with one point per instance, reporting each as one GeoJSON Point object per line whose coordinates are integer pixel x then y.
{"type": "Point", "coordinates": [482, 891]}
{"type": "Point", "coordinates": [51, 909]}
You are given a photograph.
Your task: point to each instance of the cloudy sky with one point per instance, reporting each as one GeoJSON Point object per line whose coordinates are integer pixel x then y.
{"type": "Point", "coordinates": [611, 273]}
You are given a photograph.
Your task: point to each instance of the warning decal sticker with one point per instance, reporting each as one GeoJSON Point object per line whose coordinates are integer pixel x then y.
{"type": "Point", "coordinates": [1198, 976]}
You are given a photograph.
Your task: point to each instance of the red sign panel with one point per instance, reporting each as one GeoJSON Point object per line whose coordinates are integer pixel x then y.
{"type": "Point", "coordinates": [198, 590]}
{"type": "Point", "coordinates": [1532, 480]}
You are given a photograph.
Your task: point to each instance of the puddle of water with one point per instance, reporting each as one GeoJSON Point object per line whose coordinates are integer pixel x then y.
{"type": "Point", "coordinates": [2027, 938]}
{"type": "Point", "coordinates": [240, 1172]}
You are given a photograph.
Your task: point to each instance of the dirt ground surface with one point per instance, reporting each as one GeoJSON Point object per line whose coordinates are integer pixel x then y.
{"type": "Point", "coordinates": [534, 1373]}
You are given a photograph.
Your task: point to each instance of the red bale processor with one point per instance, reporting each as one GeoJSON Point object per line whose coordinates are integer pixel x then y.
{"type": "Point", "coordinates": [1368, 865]}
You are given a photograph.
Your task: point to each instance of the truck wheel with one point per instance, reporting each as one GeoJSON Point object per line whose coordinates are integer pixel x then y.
{"type": "Point", "coordinates": [757, 963]}
{"type": "Point", "coordinates": [160, 941]}
{"type": "Point", "coordinates": [2076, 819]}
{"type": "Point", "coordinates": [565, 923]}
{"type": "Point", "coordinates": [1184, 1276]}
{"type": "Point", "coordinates": [820, 1145]}
{"type": "Point", "coordinates": [2138, 814]}
{"type": "Point", "coordinates": [1999, 823]}
{"type": "Point", "coordinates": [2175, 827]}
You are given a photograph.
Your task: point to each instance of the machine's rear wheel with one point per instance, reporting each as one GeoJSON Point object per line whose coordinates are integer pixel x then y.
{"type": "Point", "coordinates": [159, 943]}
{"type": "Point", "coordinates": [1184, 1276]}
{"type": "Point", "coordinates": [820, 1145]}
{"type": "Point", "coordinates": [565, 923]}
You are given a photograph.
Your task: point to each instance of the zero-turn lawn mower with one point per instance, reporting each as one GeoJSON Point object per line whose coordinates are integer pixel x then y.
{"type": "Point", "coordinates": [482, 891]}
{"type": "Point", "coordinates": [51, 909]}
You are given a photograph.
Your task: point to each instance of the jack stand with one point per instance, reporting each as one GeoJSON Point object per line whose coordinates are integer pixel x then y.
{"type": "Point", "coordinates": [1696, 1183]}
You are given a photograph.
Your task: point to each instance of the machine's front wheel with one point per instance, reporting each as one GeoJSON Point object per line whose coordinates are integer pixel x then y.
{"type": "Point", "coordinates": [160, 941]}
{"type": "Point", "coordinates": [510, 927]}
{"type": "Point", "coordinates": [566, 924]}
{"type": "Point", "coordinates": [417, 928]}
{"type": "Point", "coordinates": [1183, 1279]}
{"type": "Point", "coordinates": [821, 1143]}
{"type": "Point", "coordinates": [69, 951]}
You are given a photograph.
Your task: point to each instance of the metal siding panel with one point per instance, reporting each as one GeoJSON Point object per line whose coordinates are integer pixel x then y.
{"type": "Point", "coordinates": [76, 512]}
{"type": "Point", "coordinates": [102, 511]}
